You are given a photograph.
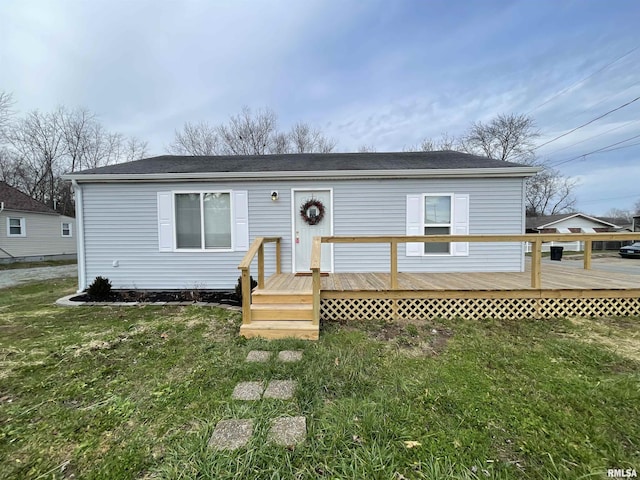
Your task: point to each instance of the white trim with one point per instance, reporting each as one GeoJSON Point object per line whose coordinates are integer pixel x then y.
{"type": "Point", "coordinates": [306, 175]}
{"type": "Point", "coordinates": [62, 229]}
{"type": "Point", "coordinates": [82, 261]}
{"type": "Point", "coordinates": [293, 222]}
{"type": "Point", "coordinates": [202, 233]}
{"type": "Point", "coordinates": [450, 224]}
{"type": "Point", "coordinates": [593, 219]}
{"type": "Point", "coordinates": [23, 227]}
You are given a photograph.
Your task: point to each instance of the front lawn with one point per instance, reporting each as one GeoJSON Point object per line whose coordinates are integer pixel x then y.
{"type": "Point", "coordinates": [118, 393]}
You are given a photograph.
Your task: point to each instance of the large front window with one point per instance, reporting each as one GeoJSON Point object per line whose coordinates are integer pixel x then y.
{"type": "Point", "coordinates": [437, 221]}
{"type": "Point", "coordinates": [203, 220]}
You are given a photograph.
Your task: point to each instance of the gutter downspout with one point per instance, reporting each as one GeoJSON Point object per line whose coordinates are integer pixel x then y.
{"type": "Point", "coordinates": [80, 236]}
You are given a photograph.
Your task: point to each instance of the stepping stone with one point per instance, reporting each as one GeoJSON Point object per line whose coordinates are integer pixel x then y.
{"type": "Point", "coordinates": [290, 356]}
{"type": "Point", "coordinates": [260, 356]}
{"type": "Point", "coordinates": [288, 431]}
{"type": "Point", "coordinates": [231, 434]}
{"type": "Point", "coordinates": [280, 389]}
{"type": "Point", "coordinates": [248, 391]}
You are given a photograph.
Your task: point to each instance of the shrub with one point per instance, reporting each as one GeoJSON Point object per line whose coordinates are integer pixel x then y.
{"type": "Point", "coordinates": [100, 289]}
{"type": "Point", "coordinates": [253, 283]}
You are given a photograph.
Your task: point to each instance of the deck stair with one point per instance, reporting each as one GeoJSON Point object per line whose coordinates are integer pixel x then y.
{"type": "Point", "coordinates": [281, 314]}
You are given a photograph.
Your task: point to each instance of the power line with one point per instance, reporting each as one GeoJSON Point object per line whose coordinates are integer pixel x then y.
{"type": "Point", "coordinates": [594, 136]}
{"type": "Point", "coordinates": [562, 92]}
{"type": "Point", "coordinates": [593, 200]}
{"type": "Point", "coordinates": [555, 164]}
{"type": "Point", "coordinates": [588, 123]}
{"type": "Point", "coordinates": [620, 148]}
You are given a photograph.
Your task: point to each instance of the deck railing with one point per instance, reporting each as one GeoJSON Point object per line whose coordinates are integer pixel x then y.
{"type": "Point", "coordinates": [257, 247]}
{"type": "Point", "coordinates": [536, 241]}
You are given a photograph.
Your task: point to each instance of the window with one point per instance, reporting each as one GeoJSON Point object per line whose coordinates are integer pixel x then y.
{"type": "Point", "coordinates": [437, 221]}
{"type": "Point", "coordinates": [203, 221]}
{"type": "Point", "coordinates": [16, 227]}
{"type": "Point", "coordinates": [66, 229]}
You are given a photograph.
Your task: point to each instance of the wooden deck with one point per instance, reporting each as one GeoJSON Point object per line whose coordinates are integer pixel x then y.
{"type": "Point", "coordinates": [554, 277]}
{"type": "Point", "coordinates": [292, 305]}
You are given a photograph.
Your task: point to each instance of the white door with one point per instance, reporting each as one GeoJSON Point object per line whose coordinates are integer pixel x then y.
{"type": "Point", "coordinates": [317, 221]}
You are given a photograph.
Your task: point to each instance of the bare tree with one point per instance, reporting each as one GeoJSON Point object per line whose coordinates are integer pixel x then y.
{"type": "Point", "coordinates": [196, 139]}
{"type": "Point", "coordinates": [636, 207]}
{"type": "Point", "coordinates": [248, 134]}
{"type": "Point", "coordinates": [445, 142]}
{"type": "Point", "coordinates": [624, 216]}
{"type": "Point", "coordinates": [367, 149]}
{"type": "Point", "coordinates": [6, 102]}
{"type": "Point", "coordinates": [307, 139]}
{"type": "Point", "coordinates": [549, 192]}
{"type": "Point", "coordinates": [506, 137]}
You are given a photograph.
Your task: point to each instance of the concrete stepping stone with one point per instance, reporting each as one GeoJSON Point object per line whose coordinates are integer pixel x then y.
{"type": "Point", "coordinates": [248, 391]}
{"type": "Point", "coordinates": [288, 431]}
{"type": "Point", "coordinates": [290, 356]}
{"type": "Point", "coordinates": [280, 389]}
{"type": "Point", "coordinates": [260, 356]}
{"type": "Point", "coordinates": [231, 434]}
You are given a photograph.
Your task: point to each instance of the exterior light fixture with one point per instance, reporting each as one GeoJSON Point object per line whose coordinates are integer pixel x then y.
{"type": "Point", "coordinates": [274, 195]}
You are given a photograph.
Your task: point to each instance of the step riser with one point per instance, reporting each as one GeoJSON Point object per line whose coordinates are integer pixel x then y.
{"type": "Point", "coordinates": [274, 334]}
{"type": "Point", "coordinates": [266, 299]}
{"type": "Point", "coordinates": [275, 314]}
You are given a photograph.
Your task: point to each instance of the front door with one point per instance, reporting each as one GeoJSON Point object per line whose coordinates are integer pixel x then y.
{"type": "Point", "coordinates": [312, 217]}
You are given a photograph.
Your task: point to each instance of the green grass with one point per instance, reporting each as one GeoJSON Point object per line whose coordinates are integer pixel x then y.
{"type": "Point", "coordinates": [118, 393]}
{"type": "Point", "coordinates": [44, 263]}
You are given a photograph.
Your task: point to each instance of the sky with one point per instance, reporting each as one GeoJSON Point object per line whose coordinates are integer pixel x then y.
{"type": "Point", "coordinates": [380, 73]}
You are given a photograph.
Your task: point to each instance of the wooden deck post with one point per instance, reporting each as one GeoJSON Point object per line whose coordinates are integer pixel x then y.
{"type": "Point", "coordinates": [261, 266]}
{"type": "Point", "coordinates": [536, 256]}
{"type": "Point", "coordinates": [587, 254]}
{"type": "Point", "coordinates": [316, 252]}
{"type": "Point", "coordinates": [278, 256]}
{"type": "Point", "coordinates": [394, 263]}
{"type": "Point", "coordinates": [246, 297]}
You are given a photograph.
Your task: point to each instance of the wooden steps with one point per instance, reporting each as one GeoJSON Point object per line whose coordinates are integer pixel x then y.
{"type": "Point", "coordinates": [281, 314]}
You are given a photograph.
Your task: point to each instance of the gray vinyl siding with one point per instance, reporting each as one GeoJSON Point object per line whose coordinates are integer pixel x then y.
{"type": "Point", "coordinates": [121, 225]}
{"type": "Point", "coordinates": [43, 236]}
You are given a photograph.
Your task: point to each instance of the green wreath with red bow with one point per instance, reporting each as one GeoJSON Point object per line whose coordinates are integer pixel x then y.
{"type": "Point", "coordinates": [312, 216]}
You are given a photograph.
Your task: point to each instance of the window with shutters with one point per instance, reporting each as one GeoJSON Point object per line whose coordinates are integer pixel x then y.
{"type": "Point", "coordinates": [203, 221]}
{"type": "Point", "coordinates": [437, 221]}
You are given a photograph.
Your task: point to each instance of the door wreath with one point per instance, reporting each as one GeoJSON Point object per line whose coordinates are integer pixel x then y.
{"type": "Point", "coordinates": [312, 211]}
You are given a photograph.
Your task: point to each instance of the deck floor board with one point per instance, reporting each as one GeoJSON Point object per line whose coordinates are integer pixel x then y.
{"type": "Point", "coordinates": [554, 277]}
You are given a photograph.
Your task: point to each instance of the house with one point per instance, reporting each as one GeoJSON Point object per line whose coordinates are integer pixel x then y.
{"type": "Point", "coordinates": [179, 222]}
{"type": "Point", "coordinates": [572, 223]}
{"type": "Point", "coordinates": [569, 223]}
{"type": "Point", "coordinates": [29, 230]}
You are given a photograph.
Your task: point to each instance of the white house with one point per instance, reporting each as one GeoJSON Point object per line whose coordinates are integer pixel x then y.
{"type": "Point", "coordinates": [29, 230]}
{"type": "Point", "coordinates": [174, 222]}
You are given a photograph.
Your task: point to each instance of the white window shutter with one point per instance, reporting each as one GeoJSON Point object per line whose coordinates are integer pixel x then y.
{"type": "Point", "coordinates": [241, 220]}
{"type": "Point", "coordinates": [165, 222]}
{"type": "Point", "coordinates": [460, 224]}
{"type": "Point", "coordinates": [414, 224]}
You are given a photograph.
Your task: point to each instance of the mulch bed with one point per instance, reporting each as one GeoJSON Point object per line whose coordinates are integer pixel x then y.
{"type": "Point", "coordinates": [144, 296]}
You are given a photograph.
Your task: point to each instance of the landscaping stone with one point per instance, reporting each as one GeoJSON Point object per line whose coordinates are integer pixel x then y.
{"type": "Point", "coordinates": [280, 389]}
{"type": "Point", "coordinates": [260, 356]}
{"type": "Point", "coordinates": [290, 356]}
{"type": "Point", "coordinates": [248, 391]}
{"type": "Point", "coordinates": [288, 431]}
{"type": "Point", "coordinates": [231, 434]}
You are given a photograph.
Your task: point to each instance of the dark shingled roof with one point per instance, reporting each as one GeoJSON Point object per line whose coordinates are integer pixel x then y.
{"type": "Point", "coordinates": [301, 162]}
{"type": "Point", "coordinates": [14, 199]}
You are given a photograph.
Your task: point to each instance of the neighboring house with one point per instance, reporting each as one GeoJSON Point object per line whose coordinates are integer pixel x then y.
{"type": "Point", "coordinates": [569, 223]}
{"type": "Point", "coordinates": [29, 230]}
{"type": "Point", "coordinates": [636, 224]}
{"type": "Point", "coordinates": [572, 223]}
{"type": "Point", "coordinates": [174, 222]}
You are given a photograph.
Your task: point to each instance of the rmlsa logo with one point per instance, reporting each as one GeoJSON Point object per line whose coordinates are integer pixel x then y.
{"type": "Point", "coordinates": [622, 473]}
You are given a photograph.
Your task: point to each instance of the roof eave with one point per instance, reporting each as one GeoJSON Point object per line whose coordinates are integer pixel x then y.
{"type": "Point", "coordinates": [306, 175]}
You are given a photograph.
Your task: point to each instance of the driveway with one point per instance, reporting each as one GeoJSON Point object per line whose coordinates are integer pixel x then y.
{"type": "Point", "coordinates": [10, 278]}
{"type": "Point", "coordinates": [630, 266]}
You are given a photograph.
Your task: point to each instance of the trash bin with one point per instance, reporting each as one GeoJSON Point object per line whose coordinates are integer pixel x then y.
{"type": "Point", "coordinates": [556, 253]}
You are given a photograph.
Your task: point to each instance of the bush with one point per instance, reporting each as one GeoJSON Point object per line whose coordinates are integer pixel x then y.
{"type": "Point", "coordinates": [253, 283]}
{"type": "Point", "coordinates": [100, 289]}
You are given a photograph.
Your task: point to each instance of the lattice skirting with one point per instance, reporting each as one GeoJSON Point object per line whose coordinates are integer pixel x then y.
{"type": "Point", "coordinates": [345, 309]}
